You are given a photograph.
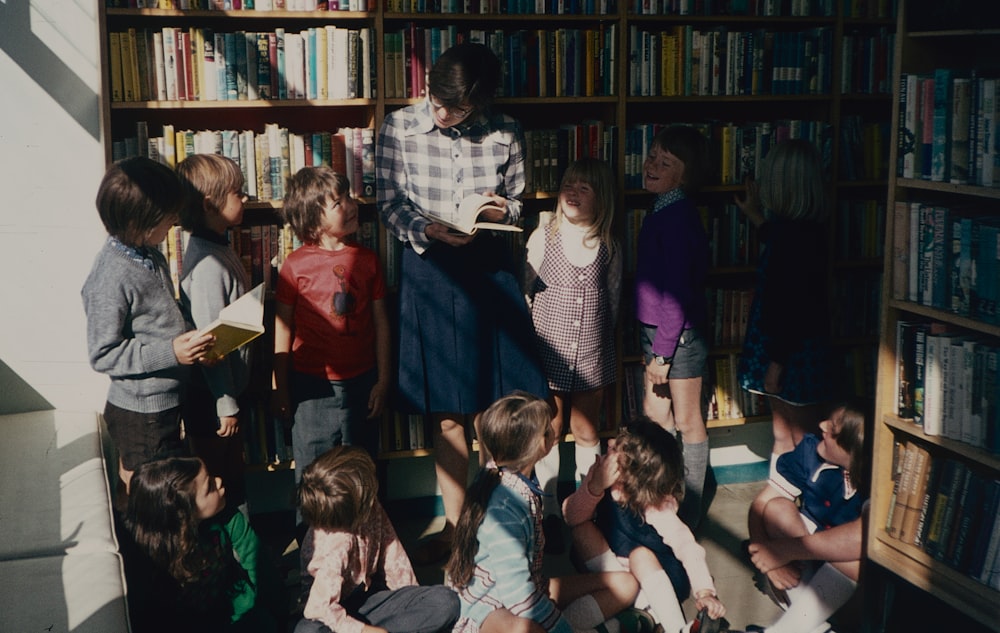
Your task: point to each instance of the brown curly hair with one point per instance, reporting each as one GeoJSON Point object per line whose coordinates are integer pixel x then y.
{"type": "Point", "coordinates": [650, 463]}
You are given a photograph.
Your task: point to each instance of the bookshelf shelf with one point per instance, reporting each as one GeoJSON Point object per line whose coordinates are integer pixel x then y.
{"type": "Point", "coordinates": [978, 455]}
{"type": "Point", "coordinates": [249, 14]}
{"type": "Point", "coordinates": [270, 104]}
{"type": "Point", "coordinates": [931, 576]}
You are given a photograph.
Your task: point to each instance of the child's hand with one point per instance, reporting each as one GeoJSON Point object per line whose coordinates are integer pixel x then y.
{"type": "Point", "coordinates": [444, 234]}
{"type": "Point", "coordinates": [229, 425]}
{"type": "Point", "coordinates": [280, 407]}
{"type": "Point", "coordinates": [605, 473]}
{"type": "Point", "coordinates": [658, 374]}
{"type": "Point", "coordinates": [376, 400]}
{"type": "Point", "coordinates": [711, 603]}
{"type": "Point", "coordinates": [750, 203]}
{"type": "Point", "coordinates": [495, 215]}
{"type": "Point", "coordinates": [190, 347]}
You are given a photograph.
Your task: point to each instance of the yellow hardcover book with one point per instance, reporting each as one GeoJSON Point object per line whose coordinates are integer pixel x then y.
{"type": "Point", "coordinates": [129, 70]}
{"type": "Point", "coordinates": [115, 55]}
{"type": "Point", "coordinates": [133, 51]}
{"type": "Point", "coordinates": [727, 153]}
{"type": "Point", "coordinates": [722, 389]}
{"type": "Point", "coordinates": [180, 146]}
{"type": "Point", "coordinates": [198, 69]}
{"type": "Point", "coordinates": [238, 323]}
{"type": "Point", "coordinates": [543, 62]}
{"type": "Point", "coordinates": [668, 76]}
{"type": "Point", "coordinates": [169, 155]}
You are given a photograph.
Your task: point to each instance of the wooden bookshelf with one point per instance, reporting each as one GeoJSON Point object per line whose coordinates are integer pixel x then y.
{"type": "Point", "coordinates": [611, 101]}
{"type": "Point", "coordinates": [923, 52]}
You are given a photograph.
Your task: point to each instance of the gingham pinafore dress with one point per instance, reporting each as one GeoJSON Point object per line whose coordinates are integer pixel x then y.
{"type": "Point", "coordinates": [573, 319]}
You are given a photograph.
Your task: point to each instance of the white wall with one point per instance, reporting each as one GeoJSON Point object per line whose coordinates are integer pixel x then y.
{"type": "Point", "coordinates": [51, 162]}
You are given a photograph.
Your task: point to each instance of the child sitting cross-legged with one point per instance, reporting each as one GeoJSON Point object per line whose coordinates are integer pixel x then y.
{"type": "Point", "coordinates": [624, 517]}
{"type": "Point", "coordinates": [361, 578]}
{"type": "Point", "coordinates": [806, 525]}
{"type": "Point", "coordinates": [496, 566]}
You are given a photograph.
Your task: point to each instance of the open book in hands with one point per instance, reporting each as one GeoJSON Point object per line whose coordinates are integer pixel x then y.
{"type": "Point", "coordinates": [469, 211]}
{"type": "Point", "coordinates": [239, 323]}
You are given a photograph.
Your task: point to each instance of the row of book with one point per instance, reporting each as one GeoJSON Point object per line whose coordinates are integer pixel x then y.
{"type": "Point", "coordinates": [947, 258]}
{"type": "Point", "coordinates": [737, 150]}
{"type": "Point", "coordinates": [864, 149]}
{"type": "Point", "coordinates": [761, 8]}
{"type": "Point", "coordinates": [549, 151]}
{"type": "Point", "coordinates": [245, 5]}
{"type": "Point", "coordinates": [857, 297]}
{"type": "Point", "coordinates": [947, 509]}
{"type": "Point", "coordinates": [199, 64]}
{"type": "Point", "coordinates": [948, 127]}
{"type": "Point", "coordinates": [687, 61]}
{"type": "Point", "coordinates": [267, 158]}
{"type": "Point", "coordinates": [860, 226]}
{"type": "Point", "coordinates": [561, 62]}
{"type": "Point", "coordinates": [947, 382]}
{"type": "Point", "coordinates": [505, 7]}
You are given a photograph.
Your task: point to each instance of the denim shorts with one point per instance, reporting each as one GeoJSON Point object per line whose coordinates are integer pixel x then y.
{"type": "Point", "coordinates": [690, 356]}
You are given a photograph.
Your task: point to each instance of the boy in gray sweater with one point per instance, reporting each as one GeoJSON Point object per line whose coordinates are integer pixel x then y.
{"type": "Point", "coordinates": [136, 332]}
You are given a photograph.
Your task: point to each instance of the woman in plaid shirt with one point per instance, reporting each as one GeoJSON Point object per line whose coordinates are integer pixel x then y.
{"type": "Point", "coordinates": [465, 335]}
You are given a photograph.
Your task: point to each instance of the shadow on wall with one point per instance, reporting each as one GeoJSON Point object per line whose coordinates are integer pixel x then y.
{"type": "Point", "coordinates": [17, 396]}
{"type": "Point", "coordinates": [19, 40]}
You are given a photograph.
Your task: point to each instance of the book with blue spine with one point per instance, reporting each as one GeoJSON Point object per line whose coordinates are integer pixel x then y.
{"type": "Point", "coordinates": [941, 124]}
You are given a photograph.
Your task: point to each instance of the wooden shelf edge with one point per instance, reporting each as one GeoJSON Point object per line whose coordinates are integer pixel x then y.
{"type": "Point", "coordinates": [229, 104]}
{"type": "Point", "coordinates": [726, 422]}
{"type": "Point", "coordinates": [241, 14]}
{"type": "Point", "coordinates": [967, 451]}
{"type": "Point", "coordinates": [913, 565]}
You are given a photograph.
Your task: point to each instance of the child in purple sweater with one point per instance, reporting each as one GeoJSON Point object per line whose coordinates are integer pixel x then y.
{"type": "Point", "coordinates": [672, 259]}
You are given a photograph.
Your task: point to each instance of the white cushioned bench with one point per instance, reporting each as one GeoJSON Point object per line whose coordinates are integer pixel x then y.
{"type": "Point", "coordinates": [60, 570]}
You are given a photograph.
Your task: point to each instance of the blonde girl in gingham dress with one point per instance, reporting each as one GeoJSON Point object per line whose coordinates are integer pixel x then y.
{"type": "Point", "coordinates": [573, 281]}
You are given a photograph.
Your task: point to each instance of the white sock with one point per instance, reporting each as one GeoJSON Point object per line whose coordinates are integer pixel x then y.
{"type": "Point", "coordinates": [583, 614]}
{"type": "Point", "coordinates": [585, 458]}
{"type": "Point", "coordinates": [663, 600]}
{"type": "Point", "coordinates": [814, 600]}
{"type": "Point", "coordinates": [547, 472]}
{"type": "Point", "coordinates": [606, 561]}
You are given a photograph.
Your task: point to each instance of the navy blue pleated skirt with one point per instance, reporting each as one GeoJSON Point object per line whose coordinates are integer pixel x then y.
{"type": "Point", "coordinates": [465, 334]}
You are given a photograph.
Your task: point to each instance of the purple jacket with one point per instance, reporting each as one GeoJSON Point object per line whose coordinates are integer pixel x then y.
{"type": "Point", "coordinates": [671, 262]}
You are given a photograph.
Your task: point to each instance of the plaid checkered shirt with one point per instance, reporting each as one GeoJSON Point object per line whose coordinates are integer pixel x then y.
{"type": "Point", "coordinates": [424, 171]}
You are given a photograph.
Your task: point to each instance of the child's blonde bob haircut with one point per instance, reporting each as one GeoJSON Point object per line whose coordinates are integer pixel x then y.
{"type": "Point", "coordinates": [598, 175]}
{"type": "Point", "coordinates": [208, 179]}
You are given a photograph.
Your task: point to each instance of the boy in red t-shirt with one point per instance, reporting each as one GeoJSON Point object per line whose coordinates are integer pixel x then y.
{"type": "Point", "coordinates": [331, 337]}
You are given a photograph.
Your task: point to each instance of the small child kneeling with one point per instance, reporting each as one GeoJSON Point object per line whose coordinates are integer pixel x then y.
{"type": "Point", "coordinates": [362, 580]}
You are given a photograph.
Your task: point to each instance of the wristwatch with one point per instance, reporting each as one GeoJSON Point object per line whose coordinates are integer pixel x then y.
{"type": "Point", "coordinates": [662, 360]}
